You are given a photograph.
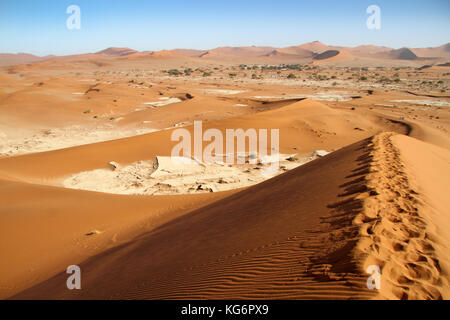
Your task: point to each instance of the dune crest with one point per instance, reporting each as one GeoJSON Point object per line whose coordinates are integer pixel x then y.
{"type": "Point", "coordinates": [394, 231]}
{"type": "Point", "coordinates": [217, 252]}
{"type": "Point", "coordinates": [369, 213]}
{"type": "Point", "coordinates": [89, 173]}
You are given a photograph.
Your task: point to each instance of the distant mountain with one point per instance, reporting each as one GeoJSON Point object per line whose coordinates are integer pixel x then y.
{"type": "Point", "coordinates": [190, 52]}
{"type": "Point", "coordinates": [298, 51]}
{"type": "Point", "coordinates": [315, 46]}
{"type": "Point", "coordinates": [402, 54]}
{"type": "Point", "coordinates": [446, 47]}
{"type": "Point", "coordinates": [117, 52]}
{"type": "Point", "coordinates": [166, 54]}
{"type": "Point", "coordinates": [368, 50]}
{"type": "Point", "coordinates": [279, 56]}
{"type": "Point", "coordinates": [280, 53]}
{"type": "Point", "coordinates": [436, 52]}
{"type": "Point", "coordinates": [316, 52]}
{"type": "Point", "coordinates": [7, 59]}
{"type": "Point", "coordinates": [252, 51]}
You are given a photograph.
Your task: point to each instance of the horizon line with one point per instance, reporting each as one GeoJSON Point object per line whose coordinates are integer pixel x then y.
{"type": "Point", "coordinates": [240, 46]}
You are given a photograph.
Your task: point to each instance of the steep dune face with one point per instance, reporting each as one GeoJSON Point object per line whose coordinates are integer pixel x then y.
{"type": "Point", "coordinates": [326, 55]}
{"type": "Point", "coordinates": [280, 239]}
{"type": "Point", "coordinates": [402, 54]}
{"type": "Point", "coordinates": [44, 229]}
{"type": "Point", "coordinates": [297, 51]}
{"type": "Point", "coordinates": [338, 56]}
{"type": "Point", "coordinates": [280, 56]}
{"type": "Point", "coordinates": [309, 233]}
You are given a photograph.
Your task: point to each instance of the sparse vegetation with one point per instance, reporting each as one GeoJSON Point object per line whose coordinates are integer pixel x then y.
{"type": "Point", "coordinates": [174, 72]}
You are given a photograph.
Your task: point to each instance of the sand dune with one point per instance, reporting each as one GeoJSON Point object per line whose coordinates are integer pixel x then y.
{"type": "Point", "coordinates": [87, 178]}
{"type": "Point", "coordinates": [51, 227]}
{"type": "Point", "coordinates": [442, 51]}
{"type": "Point", "coordinates": [326, 55]}
{"type": "Point", "coordinates": [304, 127]}
{"type": "Point", "coordinates": [19, 58]}
{"type": "Point", "coordinates": [296, 50]}
{"type": "Point", "coordinates": [402, 54]}
{"type": "Point", "coordinates": [245, 54]}
{"type": "Point", "coordinates": [117, 51]}
{"type": "Point", "coordinates": [397, 227]}
{"type": "Point", "coordinates": [242, 247]}
{"type": "Point", "coordinates": [243, 51]}
{"type": "Point", "coordinates": [367, 50]}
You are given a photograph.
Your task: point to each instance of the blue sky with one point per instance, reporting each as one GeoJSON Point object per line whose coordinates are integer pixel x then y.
{"type": "Point", "coordinates": [39, 26]}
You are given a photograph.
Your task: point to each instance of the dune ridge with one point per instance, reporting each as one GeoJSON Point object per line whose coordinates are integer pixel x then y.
{"type": "Point", "coordinates": [304, 53]}
{"type": "Point", "coordinates": [309, 233]}
{"type": "Point", "coordinates": [298, 244]}
{"type": "Point", "coordinates": [289, 246]}
{"type": "Point", "coordinates": [393, 230]}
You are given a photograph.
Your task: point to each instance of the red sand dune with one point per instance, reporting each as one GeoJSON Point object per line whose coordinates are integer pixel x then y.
{"type": "Point", "coordinates": [304, 125]}
{"type": "Point", "coordinates": [309, 233]}
{"type": "Point", "coordinates": [244, 54]}
{"type": "Point", "coordinates": [379, 198]}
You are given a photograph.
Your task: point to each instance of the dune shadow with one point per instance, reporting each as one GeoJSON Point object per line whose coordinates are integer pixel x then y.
{"type": "Point", "coordinates": [340, 258]}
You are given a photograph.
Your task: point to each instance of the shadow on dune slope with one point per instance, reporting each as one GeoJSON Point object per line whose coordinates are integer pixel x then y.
{"type": "Point", "coordinates": [289, 237]}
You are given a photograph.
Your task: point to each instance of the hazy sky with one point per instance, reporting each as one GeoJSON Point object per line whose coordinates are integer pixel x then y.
{"type": "Point", "coordinates": [39, 27]}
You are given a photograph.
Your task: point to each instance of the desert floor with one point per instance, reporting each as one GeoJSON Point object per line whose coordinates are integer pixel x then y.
{"type": "Point", "coordinates": [86, 179]}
